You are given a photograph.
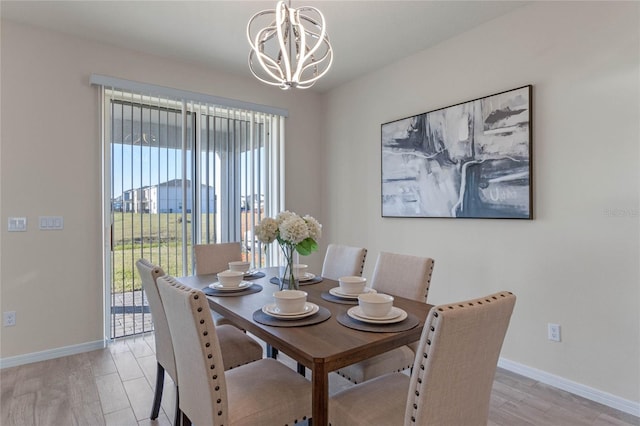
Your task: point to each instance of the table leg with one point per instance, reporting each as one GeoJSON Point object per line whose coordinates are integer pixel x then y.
{"type": "Point", "coordinates": [301, 370]}
{"type": "Point", "coordinates": [320, 395]}
{"type": "Point", "coordinates": [272, 352]}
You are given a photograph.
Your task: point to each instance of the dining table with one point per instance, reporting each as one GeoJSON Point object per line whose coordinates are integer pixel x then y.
{"type": "Point", "coordinates": [323, 346]}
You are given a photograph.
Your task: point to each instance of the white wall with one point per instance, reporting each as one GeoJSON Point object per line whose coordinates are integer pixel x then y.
{"type": "Point", "coordinates": [574, 264]}
{"type": "Point", "coordinates": [50, 165]}
{"type": "Point", "coordinates": [577, 262]}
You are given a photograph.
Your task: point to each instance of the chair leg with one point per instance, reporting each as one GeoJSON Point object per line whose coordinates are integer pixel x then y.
{"type": "Point", "coordinates": [185, 420]}
{"type": "Point", "coordinates": [157, 398]}
{"type": "Point", "coordinates": [176, 419]}
{"type": "Point", "coordinates": [301, 370]}
{"type": "Point", "coordinates": [272, 352]}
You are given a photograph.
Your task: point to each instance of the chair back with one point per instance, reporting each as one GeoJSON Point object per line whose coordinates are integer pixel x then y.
{"type": "Point", "coordinates": [214, 258]}
{"type": "Point", "coordinates": [403, 275]}
{"type": "Point", "coordinates": [203, 391]}
{"type": "Point", "coordinates": [149, 273]}
{"type": "Point", "coordinates": [456, 362]}
{"type": "Point", "coordinates": [342, 261]}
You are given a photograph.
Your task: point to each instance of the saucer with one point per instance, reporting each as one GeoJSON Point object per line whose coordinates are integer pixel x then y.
{"type": "Point", "coordinates": [251, 273]}
{"type": "Point", "coordinates": [396, 315]}
{"type": "Point", "coordinates": [335, 291]}
{"type": "Point", "coordinates": [242, 286]}
{"type": "Point", "coordinates": [272, 310]}
{"type": "Point", "coordinates": [307, 276]}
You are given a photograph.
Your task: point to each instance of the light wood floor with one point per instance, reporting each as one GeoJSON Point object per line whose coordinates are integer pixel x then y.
{"type": "Point", "coordinates": [114, 386]}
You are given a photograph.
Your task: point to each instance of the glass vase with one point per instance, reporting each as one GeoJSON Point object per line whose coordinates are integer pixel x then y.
{"type": "Point", "coordinates": [287, 279]}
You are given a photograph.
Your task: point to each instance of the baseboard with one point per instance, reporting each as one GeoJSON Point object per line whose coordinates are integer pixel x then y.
{"type": "Point", "coordinates": [14, 361]}
{"type": "Point", "coordinates": [587, 392]}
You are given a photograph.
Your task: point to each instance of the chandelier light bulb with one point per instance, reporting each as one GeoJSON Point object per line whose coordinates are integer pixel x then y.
{"type": "Point", "coordinates": [292, 50]}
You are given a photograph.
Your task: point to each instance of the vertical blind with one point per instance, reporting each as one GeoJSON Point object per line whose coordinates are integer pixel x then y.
{"type": "Point", "coordinates": [181, 168]}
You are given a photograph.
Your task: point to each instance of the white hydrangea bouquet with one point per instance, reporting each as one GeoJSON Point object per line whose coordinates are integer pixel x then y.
{"type": "Point", "coordinates": [293, 233]}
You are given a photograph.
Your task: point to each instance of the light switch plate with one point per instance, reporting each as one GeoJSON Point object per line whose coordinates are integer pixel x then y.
{"type": "Point", "coordinates": [51, 223]}
{"type": "Point", "coordinates": [17, 224]}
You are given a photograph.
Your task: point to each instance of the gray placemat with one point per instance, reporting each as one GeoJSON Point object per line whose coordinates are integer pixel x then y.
{"type": "Point", "coordinates": [316, 280]}
{"type": "Point", "coordinates": [323, 314]}
{"type": "Point", "coordinates": [335, 299]}
{"type": "Point", "coordinates": [404, 325]}
{"type": "Point", "coordinates": [255, 276]}
{"type": "Point", "coordinates": [255, 288]}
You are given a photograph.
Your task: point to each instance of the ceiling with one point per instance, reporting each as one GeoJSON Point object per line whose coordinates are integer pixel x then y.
{"type": "Point", "coordinates": [365, 34]}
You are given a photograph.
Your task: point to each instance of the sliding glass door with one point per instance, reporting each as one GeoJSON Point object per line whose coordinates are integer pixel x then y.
{"type": "Point", "coordinates": [180, 173]}
{"type": "Point", "coordinates": [151, 200]}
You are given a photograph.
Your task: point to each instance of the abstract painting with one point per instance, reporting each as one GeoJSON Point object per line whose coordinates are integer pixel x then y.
{"type": "Point", "coordinates": [470, 160]}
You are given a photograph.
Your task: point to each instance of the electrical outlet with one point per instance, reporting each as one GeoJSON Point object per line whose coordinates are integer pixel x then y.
{"type": "Point", "coordinates": [9, 318]}
{"type": "Point", "coordinates": [553, 332]}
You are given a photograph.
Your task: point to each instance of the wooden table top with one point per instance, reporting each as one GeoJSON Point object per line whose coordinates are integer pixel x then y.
{"type": "Point", "coordinates": [329, 342]}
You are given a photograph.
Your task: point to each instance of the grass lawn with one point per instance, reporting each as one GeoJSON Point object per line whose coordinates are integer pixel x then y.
{"type": "Point", "coordinates": [157, 238]}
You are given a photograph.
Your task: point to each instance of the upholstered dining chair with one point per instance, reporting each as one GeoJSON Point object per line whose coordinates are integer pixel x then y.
{"type": "Point", "coordinates": [264, 392]}
{"type": "Point", "coordinates": [401, 275]}
{"type": "Point", "coordinates": [214, 258]}
{"type": "Point", "coordinates": [342, 261]}
{"type": "Point", "coordinates": [237, 347]}
{"type": "Point", "coordinates": [453, 374]}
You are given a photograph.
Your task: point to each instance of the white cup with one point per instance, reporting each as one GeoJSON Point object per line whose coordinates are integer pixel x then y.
{"type": "Point", "coordinates": [352, 285]}
{"type": "Point", "coordinates": [230, 278]}
{"type": "Point", "coordinates": [299, 269]}
{"type": "Point", "coordinates": [375, 304]}
{"type": "Point", "coordinates": [290, 301]}
{"type": "Point", "coordinates": [240, 265]}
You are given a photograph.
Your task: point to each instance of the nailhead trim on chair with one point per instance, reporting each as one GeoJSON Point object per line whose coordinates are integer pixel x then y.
{"type": "Point", "coordinates": [428, 279]}
{"type": "Point", "coordinates": [206, 343]}
{"type": "Point", "coordinates": [356, 382]}
{"type": "Point", "coordinates": [425, 354]}
{"type": "Point", "coordinates": [363, 259]}
{"type": "Point", "coordinates": [340, 373]}
{"type": "Point", "coordinates": [432, 322]}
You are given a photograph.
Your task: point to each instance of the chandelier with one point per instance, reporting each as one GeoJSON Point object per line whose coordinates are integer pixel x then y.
{"type": "Point", "coordinates": [293, 50]}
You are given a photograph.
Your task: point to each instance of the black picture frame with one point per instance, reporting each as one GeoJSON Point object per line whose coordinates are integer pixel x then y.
{"type": "Point", "coordinates": [468, 160]}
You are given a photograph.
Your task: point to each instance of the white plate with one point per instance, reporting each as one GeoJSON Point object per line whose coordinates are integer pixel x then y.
{"type": "Point", "coordinates": [242, 286]}
{"type": "Point", "coordinates": [307, 276]}
{"type": "Point", "coordinates": [335, 291]}
{"type": "Point", "coordinates": [396, 315]}
{"type": "Point", "coordinates": [272, 309]}
{"type": "Point", "coordinates": [251, 273]}
{"type": "Point", "coordinates": [393, 313]}
{"type": "Point", "coordinates": [309, 309]}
